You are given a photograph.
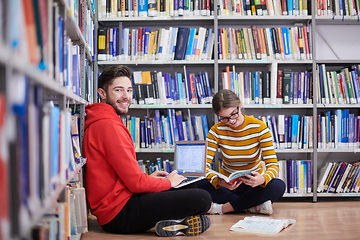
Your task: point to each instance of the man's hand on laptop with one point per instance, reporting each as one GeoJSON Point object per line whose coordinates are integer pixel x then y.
{"type": "Point", "coordinates": [159, 174]}
{"type": "Point", "coordinates": [175, 178]}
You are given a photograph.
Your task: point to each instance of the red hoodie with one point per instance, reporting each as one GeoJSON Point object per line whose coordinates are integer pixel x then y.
{"type": "Point", "coordinates": [112, 172]}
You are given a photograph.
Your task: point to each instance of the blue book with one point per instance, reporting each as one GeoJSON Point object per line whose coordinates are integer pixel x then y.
{"type": "Point", "coordinates": [174, 93]}
{"type": "Point", "coordinates": [168, 125]}
{"type": "Point", "coordinates": [171, 125]}
{"type": "Point", "coordinates": [286, 40]}
{"type": "Point", "coordinates": [289, 131]}
{"type": "Point", "coordinates": [219, 44]}
{"type": "Point", "coordinates": [143, 8]}
{"type": "Point", "coordinates": [146, 35]}
{"type": "Point", "coordinates": [294, 130]}
{"type": "Point", "coordinates": [111, 43]}
{"type": "Point", "coordinates": [200, 90]}
{"type": "Point", "coordinates": [346, 126]}
{"type": "Point", "coordinates": [205, 125]}
{"type": "Point", "coordinates": [173, 122]}
{"type": "Point", "coordinates": [181, 7]}
{"type": "Point", "coordinates": [54, 128]}
{"type": "Point", "coordinates": [181, 43]}
{"type": "Point", "coordinates": [290, 175]}
{"type": "Point", "coordinates": [167, 166]}
{"type": "Point", "coordinates": [165, 133]}
{"type": "Point", "coordinates": [157, 127]}
{"type": "Point", "coordinates": [336, 171]}
{"type": "Point", "coordinates": [342, 7]}
{"type": "Point", "coordinates": [180, 88]}
{"type": "Point", "coordinates": [179, 120]}
{"type": "Point", "coordinates": [133, 129]}
{"type": "Point", "coordinates": [208, 87]}
{"type": "Point", "coordinates": [290, 5]}
{"type": "Point", "coordinates": [194, 127]}
{"type": "Point", "coordinates": [256, 87]}
{"type": "Point", "coordinates": [247, 88]}
{"type": "Point", "coordinates": [151, 129]}
{"type": "Point", "coordinates": [355, 79]}
{"type": "Point", "coordinates": [167, 79]}
{"type": "Point", "coordinates": [61, 47]}
{"type": "Point", "coordinates": [142, 135]}
{"type": "Point", "coordinates": [159, 164]}
{"type": "Point", "coordinates": [187, 130]}
{"type": "Point", "coordinates": [190, 43]}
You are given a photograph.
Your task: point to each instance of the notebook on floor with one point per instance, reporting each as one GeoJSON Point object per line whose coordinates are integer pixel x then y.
{"type": "Point", "coordinates": [190, 158]}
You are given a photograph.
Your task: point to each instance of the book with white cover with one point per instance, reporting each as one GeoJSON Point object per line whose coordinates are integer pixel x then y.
{"type": "Point", "coordinates": [263, 225]}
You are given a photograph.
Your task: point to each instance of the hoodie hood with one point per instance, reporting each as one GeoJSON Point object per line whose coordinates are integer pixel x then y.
{"type": "Point", "coordinates": [99, 111]}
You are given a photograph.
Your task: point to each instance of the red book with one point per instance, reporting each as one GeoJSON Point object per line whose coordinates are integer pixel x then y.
{"type": "Point", "coordinates": [306, 42]}
{"type": "Point", "coordinates": [30, 29]}
{"type": "Point", "coordinates": [139, 48]}
{"type": "Point", "coordinates": [192, 89]}
{"type": "Point", "coordinates": [284, 7]}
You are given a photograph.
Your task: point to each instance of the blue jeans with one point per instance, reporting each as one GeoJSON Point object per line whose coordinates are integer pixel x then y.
{"type": "Point", "coordinates": [244, 196]}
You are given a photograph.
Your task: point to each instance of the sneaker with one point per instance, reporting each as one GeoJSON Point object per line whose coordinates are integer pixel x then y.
{"type": "Point", "coordinates": [189, 226]}
{"type": "Point", "coordinates": [215, 209]}
{"type": "Point", "coordinates": [264, 208]}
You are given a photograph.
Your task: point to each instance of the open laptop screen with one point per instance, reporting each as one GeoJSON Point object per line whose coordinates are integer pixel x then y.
{"type": "Point", "coordinates": [190, 156]}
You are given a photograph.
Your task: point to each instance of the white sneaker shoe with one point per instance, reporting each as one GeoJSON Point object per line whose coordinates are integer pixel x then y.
{"type": "Point", "coordinates": [264, 208]}
{"type": "Point", "coordinates": [215, 209]}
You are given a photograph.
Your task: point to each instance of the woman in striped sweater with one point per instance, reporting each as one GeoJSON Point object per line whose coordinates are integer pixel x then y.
{"type": "Point", "coordinates": [245, 144]}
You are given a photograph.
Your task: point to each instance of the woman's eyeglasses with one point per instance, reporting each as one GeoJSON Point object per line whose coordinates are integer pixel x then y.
{"type": "Point", "coordinates": [232, 116]}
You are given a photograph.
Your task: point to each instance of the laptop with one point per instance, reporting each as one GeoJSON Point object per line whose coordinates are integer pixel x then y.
{"type": "Point", "coordinates": [190, 158]}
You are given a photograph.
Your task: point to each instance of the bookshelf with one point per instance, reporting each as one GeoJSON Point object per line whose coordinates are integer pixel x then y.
{"type": "Point", "coordinates": [46, 68]}
{"type": "Point", "coordinates": [335, 52]}
{"type": "Point", "coordinates": [323, 47]}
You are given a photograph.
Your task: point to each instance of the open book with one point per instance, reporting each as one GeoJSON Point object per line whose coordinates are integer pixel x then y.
{"type": "Point", "coordinates": [263, 225]}
{"type": "Point", "coordinates": [233, 176]}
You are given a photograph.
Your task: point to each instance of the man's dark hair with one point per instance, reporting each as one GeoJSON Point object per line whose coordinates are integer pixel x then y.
{"type": "Point", "coordinates": [109, 73]}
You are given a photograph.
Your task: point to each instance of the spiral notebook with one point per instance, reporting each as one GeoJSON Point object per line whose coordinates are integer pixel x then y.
{"type": "Point", "coordinates": [190, 158]}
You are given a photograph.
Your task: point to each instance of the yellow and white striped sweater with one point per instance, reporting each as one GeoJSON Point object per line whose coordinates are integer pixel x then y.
{"type": "Point", "coordinates": [247, 147]}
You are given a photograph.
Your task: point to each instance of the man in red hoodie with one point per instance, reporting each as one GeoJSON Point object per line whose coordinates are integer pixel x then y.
{"type": "Point", "coordinates": [122, 197]}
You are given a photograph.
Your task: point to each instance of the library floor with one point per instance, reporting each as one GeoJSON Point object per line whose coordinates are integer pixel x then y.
{"type": "Point", "coordinates": [328, 219]}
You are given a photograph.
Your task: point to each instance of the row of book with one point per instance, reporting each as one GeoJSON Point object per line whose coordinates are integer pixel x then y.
{"type": "Point", "coordinates": [44, 151]}
{"type": "Point", "coordinates": [297, 175]}
{"type": "Point", "coordinates": [176, 8]}
{"type": "Point", "coordinates": [337, 8]}
{"type": "Point", "coordinates": [149, 167]}
{"type": "Point", "coordinates": [290, 132]}
{"type": "Point", "coordinates": [264, 7]}
{"type": "Point", "coordinates": [68, 218]}
{"type": "Point", "coordinates": [255, 87]}
{"type": "Point", "coordinates": [82, 12]}
{"type": "Point", "coordinates": [339, 177]}
{"type": "Point", "coordinates": [145, 44]}
{"type": "Point", "coordinates": [253, 43]}
{"type": "Point", "coordinates": [155, 8]}
{"type": "Point", "coordinates": [338, 129]}
{"type": "Point", "coordinates": [165, 88]}
{"type": "Point", "coordinates": [161, 131]}
{"type": "Point", "coordinates": [339, 87]}
{"type": "Point", "coordinates": [40, 36]}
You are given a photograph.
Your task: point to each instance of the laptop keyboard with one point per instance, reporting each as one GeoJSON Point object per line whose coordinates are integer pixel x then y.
{"type": "Point", "coordinates": [189, 179]}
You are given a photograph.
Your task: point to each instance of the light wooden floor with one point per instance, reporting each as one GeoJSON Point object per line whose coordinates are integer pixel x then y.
{"type": "Point", "coordinates": [325, 219]}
